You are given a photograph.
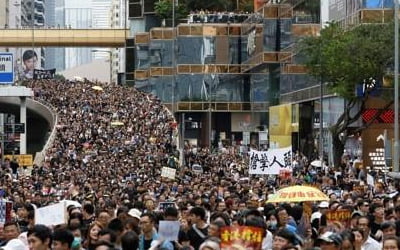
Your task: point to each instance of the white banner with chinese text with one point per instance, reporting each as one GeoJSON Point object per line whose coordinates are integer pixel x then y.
{"type": "Point", "coordinates": [271, 161]}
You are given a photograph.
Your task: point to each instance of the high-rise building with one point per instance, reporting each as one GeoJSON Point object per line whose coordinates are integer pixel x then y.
{"type": "Point", "coordinates": [4, 13]}
{"type": "Point", "coordinates": [228, 77]}
{"type": "Point", "coordinates": [77, 15]}
{"type": "Point", "coordinates": [117, 15]}
{"type": "Point", "coordinates": [33, 13]}
{"type": "Point", "coordinates": [54, 12]}
{"type": "Point", "coordinates": [14, 10]}
{"type": "Point", "coordinates": [32, 16]}
{"type": "Point", "coordinates": [101, 10]}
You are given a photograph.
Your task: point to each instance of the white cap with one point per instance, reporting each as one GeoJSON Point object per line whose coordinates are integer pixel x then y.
{"type": "Point", "coordinates": [135, 213]}
{"type": "Point", "coordinates": [323, 204]}
{"type": "Point", "coordinates": [316, 215]}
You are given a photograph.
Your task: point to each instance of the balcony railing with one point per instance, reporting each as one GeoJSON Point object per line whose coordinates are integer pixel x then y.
{"type": "Point", "coordinates": [222, 106]}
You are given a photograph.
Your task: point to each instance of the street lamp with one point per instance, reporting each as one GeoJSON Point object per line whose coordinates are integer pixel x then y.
{"type": "Point", "coordinates": [110, 57]}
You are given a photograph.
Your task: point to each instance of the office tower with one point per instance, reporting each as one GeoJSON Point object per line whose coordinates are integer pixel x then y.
{"type": "Point", "coordinates": [54, 12]}
{"type": "Point", "coordinates": [77, 15]}
{"type": "Point", "coordinates": [118, 20]}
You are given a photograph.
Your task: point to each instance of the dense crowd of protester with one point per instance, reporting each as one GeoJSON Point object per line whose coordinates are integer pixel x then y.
{"type": "Point", "coordinates": [106, 160]}
{"type": "Point", "coordinates": [205, 16]}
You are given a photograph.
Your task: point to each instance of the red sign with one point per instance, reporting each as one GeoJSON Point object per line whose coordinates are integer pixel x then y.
{"type": "Point", "coordinates": [238, 237]}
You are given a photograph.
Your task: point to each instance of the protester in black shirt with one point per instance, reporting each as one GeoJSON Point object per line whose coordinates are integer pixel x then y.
{"type": "Point", "coordinates": [199, 230]}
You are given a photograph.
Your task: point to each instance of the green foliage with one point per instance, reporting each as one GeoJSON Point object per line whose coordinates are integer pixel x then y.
{"type": "Point", "coordinates": [247, 6]}
{"type": "Point", "coordinates": [59, 77]}
{"type": "Point", "coordinates": [344, 59]}
{"type": "Point", "coordinates": [164, 8]}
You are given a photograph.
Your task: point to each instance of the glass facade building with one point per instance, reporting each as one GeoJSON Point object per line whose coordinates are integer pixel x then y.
{"type": "Point", "coordinates": [223, 75]}
{"type": "Point", "coordinates": [210, 69]}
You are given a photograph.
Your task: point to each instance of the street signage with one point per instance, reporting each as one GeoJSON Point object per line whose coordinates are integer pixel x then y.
{"type": "Point", "coordinates": [6, 68]}
{"type": "Point", "coordinates": [17, 128]}
{"type": "Point", "coordinates": [23, 160]}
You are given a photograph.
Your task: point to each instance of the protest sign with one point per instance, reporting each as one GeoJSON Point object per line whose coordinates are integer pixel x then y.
{"type": "Point", "coordinates": [168, 172]}
{"type": "Point", "coordinates": [169, 230]}
{"type": "Point", "coordinates": [5, 211]}
{"type": "Point", "coordinates": [343, 216]}
{"type": "Point", "coordinates": [271, 161]}
{"type": "Point", "coordinates": [44, 73]}
{"type": "Point", "coordinates": [196, 168]}
{"type": "Point", "coordinates": [241, 237]}
{"type": "Point", "coordinates": [51, 215]}
{"type": "Point", "coordinates": [370, 180]}
{"type": "Point", "coordinates": [164, 205]}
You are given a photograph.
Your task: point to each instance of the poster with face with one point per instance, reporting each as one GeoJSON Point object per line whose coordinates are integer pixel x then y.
{"type": "Point", "coordinates": [28, 62]}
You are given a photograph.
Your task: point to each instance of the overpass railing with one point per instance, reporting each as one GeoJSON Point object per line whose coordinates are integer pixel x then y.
{"type": "Point", "coordinates": [40, 156]}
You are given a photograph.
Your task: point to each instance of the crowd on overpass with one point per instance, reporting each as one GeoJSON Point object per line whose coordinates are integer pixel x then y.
{"type": "Point", "coordinates": [205, 16]}
{"type": "Point", "coordinates": [106, 160]}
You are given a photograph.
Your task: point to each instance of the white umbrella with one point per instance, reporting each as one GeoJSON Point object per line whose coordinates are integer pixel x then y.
{"type": "Point", "coordinates": [316, 163]}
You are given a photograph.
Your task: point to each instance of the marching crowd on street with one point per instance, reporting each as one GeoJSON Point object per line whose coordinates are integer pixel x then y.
{"type": "Point", "coordinates": [106, 160]}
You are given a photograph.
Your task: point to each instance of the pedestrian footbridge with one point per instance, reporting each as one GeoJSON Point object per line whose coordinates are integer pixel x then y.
{"type": "Point", "coordinates": [63, 37]}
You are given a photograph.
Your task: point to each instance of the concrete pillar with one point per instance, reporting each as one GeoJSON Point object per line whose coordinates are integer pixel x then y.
{"type": "Point", "coordinates": [22, 144]}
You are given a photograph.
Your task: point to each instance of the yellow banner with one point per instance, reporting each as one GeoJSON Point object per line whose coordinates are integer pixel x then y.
{"type": "Point", "coordinates": [23, 160]}
{"type": "Point", "coordinates": [280, 125]}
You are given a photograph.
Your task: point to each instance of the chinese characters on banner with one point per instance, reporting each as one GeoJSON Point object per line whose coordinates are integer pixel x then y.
{"type": "Point", "coordinates": [44, 73]}
{"type": "Point", "coordinates": [342, 215]}
{"type": "Point", "coordinates": [241, 237]}
{"type": "Point", "coordinates": [271, 161]}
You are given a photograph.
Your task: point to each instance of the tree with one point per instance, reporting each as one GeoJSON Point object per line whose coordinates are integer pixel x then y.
{"type": "Point", "coordinates": [164, 8]}
{"type": "Point", "coordinates": [59, 77]}
{"type": "Point", "coordinates": [344, 59]}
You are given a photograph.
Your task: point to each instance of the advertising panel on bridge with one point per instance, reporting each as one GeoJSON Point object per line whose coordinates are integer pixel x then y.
{"type": "Point", "coordinates": [6, 68]}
